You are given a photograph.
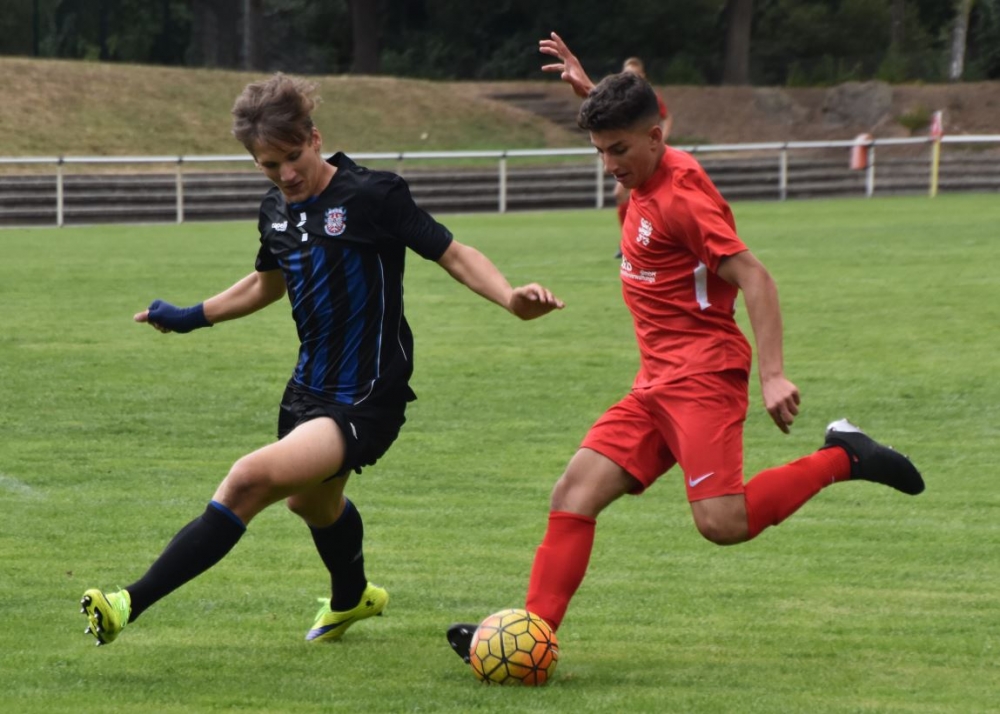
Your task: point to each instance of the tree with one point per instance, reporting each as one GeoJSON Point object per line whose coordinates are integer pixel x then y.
{"type": "Point", "coordinates": [897, 34]}
{"type": "Point", "coordinates": [681, 41]}
{"type": "Point", "coordinates": [19, 34]}
{"type": "Point", "coordinates": [959, 37]}
{"type": "Point", "coordinates": [214, 27]}
{"type": "Point", "coordinates": [736, 61]}
{"type": "Point", "coordinates": [35, 28]}
{"type": "Point", "coordinates": [982, 56]}
{"type": "Point", "coordinates": [251, 15]}
{"type": "Point", "coordinates": [171, 39]}
{"type": "Point", "coordinates": [366, 32]}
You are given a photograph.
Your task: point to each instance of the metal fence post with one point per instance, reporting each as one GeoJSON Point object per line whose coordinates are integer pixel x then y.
{"type": "Point", "coordinates": [870, 173]}
{"type": "Point", "coordinates": [599, 198]}
{"type": "Point", "coordinates": [935, 167]}
{"type": "Point", "coordinates": [59, 192]}
{"type": "Point", "coordinates": [502, 198]}
{"type": "Point", "coordinates": [180, 189]}
{"type": "Point", "coordinates": [783, 174]}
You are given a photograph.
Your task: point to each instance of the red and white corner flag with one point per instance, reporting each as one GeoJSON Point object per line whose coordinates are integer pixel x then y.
{"type": "Point", "coordinates": [937, 125]}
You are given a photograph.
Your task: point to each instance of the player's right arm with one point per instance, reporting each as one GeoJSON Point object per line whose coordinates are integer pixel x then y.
{"type": "Point", "coordinates": [250, 294]}
{"type": "Point", "coordinates": [569, 67]}
{"type": "Point", "coordinates": [760, 295]}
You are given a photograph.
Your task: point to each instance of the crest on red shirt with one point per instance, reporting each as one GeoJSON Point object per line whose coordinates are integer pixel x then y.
{"type": "Point", "coordinates": [645, 231]}
{"type": "Point", "coordinates": [336, 221]}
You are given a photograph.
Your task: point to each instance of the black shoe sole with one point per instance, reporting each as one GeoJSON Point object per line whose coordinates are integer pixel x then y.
{"type": "Point", "coordinates": [871, 461]}
{"type": "Point", "coordinates": [460, 639]}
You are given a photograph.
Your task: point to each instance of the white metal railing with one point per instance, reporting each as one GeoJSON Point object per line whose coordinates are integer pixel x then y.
{"type": "Point", "coordinates": [501, 156]}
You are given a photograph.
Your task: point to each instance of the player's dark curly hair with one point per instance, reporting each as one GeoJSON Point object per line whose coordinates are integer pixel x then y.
{"type": "Point", "coordinates": [276, 112]}
{"type": "Point", "coordinates": [619, 101]}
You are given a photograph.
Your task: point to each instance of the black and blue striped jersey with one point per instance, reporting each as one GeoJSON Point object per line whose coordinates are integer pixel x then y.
{"type": "Point", "coordinates": [342, 254]}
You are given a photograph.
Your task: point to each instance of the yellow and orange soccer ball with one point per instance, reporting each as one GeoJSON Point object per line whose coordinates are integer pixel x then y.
{"type": "Point", "coordinates": [514, 647]}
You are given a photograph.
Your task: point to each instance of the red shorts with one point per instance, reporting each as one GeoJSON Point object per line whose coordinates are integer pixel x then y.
{"type": "Point", "coordinates": [696, 422]}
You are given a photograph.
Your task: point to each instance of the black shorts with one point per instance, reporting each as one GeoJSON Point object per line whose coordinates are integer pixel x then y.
{"type": "Point", "coordinates": [368, 430]}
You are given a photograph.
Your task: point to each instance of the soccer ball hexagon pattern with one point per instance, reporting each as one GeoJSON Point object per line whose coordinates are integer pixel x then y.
{"type": "Point", "coordinates": [514, 647]}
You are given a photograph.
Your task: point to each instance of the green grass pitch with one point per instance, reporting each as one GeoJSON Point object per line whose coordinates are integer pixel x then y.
{"type": "Point", "coordinates": [112, 436]}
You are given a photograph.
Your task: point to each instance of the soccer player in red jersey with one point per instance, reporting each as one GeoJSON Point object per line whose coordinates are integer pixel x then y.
{"type": "Point", "coordinates": [682, 269]}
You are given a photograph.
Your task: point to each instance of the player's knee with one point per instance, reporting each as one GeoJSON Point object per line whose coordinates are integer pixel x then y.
{"type": "Point", "coordinates": [298, 505]}
{"type": "Point", "coordinates": [573, 494]}
{"type": "Point", "coordinates": [246, 483]}
{"type": "Point", "coordinates": [562, 493]}
{"type": "Point", "coordinates": [318, 514]}
{"type": "Point", "coordinates": [722, 530]}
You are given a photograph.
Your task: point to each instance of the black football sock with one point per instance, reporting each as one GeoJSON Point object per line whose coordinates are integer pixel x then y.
{"type": "Point", "coordinates": [197, 547]}
{"type": "Point", "coordinates": [339, 546]}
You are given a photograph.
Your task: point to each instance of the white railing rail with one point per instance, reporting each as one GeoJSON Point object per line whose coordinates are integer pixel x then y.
{"type": "Point", "coordinates": [783, 149]}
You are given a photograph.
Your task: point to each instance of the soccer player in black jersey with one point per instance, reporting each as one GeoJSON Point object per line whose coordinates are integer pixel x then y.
{"type": "Point", "coordinates": [333, 236]}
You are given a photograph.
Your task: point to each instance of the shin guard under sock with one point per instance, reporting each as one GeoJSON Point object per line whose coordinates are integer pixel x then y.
{"type": "Point", "coordinates": [197, 547]}
{"type": "Point", "coordinates": [775, 494]}
{"type": "Point", "coordinates": [560, 564]}
{"type": "Point", "coordinates": [340, 547]}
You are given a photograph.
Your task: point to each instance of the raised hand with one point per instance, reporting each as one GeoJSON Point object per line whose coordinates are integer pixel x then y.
{"type": "Point", "coordinates": [569, 67]}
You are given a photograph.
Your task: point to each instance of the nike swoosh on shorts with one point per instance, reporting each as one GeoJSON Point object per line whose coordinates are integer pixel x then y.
{"type": "Point", "coordinates": [692, 482]}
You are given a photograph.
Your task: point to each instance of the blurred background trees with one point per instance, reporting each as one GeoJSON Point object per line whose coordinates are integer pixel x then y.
{"type": "Point", "coordinates": [763, 42]}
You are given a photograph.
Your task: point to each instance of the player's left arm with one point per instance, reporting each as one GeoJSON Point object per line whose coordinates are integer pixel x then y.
{"type": "Point", "coordinates": [478, 273]}
{"type": "Point", "coordinates": [781, 397]}
{"type": "Point", "coordinates": [402, 219]}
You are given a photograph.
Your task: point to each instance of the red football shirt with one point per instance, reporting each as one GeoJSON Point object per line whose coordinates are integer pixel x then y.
{"type": "Point", "coordinates": [677, 230]}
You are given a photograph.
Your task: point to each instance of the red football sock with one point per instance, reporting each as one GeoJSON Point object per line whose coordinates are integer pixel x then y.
{"type": "Point", "coordinates": [560, 564]}
{"type": "Point", "coordinates": [775, 494]}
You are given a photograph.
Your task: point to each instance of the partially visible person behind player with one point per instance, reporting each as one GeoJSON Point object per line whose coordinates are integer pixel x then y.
{"type": "Point", "coordinates": [682, 270]}
{"type": "Point", "coordinates": [636, 66]}
{"type": "Point", "coordinates": [333, 236]}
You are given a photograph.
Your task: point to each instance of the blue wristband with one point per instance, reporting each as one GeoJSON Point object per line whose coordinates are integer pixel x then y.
{"type": "Point", "coordinates": [178, 319]}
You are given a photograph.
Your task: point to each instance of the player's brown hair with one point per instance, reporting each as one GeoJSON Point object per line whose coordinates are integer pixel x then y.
{"type": "Point", "coordinates": [619, 101]}
{"type": "Point", "coordinates": [276, 111]}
